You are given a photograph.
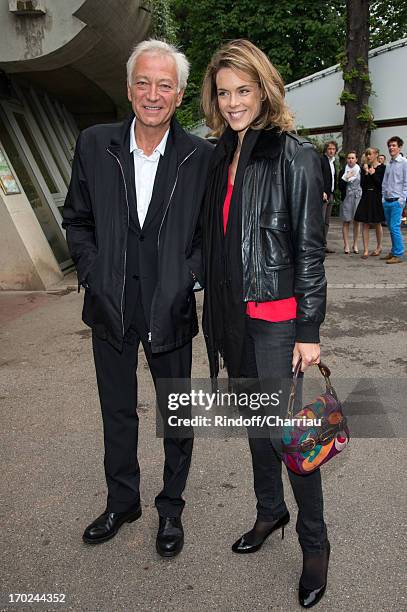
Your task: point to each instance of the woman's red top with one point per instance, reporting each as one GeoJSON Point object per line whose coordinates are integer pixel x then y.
{"type": "Point", "coordinates": [278, 310]}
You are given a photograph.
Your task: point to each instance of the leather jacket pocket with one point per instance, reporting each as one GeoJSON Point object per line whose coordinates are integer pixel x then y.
{"type": "Point", "coordinates": [275, 239]}
{"type": "Point", "coordinates": [275, 221]}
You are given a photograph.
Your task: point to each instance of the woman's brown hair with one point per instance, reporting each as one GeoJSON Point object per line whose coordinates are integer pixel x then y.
{"type": "Point", "coordinates": [244, 56]}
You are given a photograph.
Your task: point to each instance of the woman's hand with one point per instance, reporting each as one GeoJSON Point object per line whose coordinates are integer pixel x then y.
{"type": "Point", "coordinates": [310, 354]}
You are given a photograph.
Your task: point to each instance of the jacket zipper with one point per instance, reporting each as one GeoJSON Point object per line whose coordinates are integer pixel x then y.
{"type": "Point", "coordinates": [172, 193]}
{"type": "Point", "coordinates": [165, 214]}
{"type": "Point", "coordinates": [125, 251]}
{"type": "Point", "coordinates": [256, 218]}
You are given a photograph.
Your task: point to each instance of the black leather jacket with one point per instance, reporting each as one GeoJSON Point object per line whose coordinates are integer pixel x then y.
{"type": "Point", "coordinates": [283, 245]}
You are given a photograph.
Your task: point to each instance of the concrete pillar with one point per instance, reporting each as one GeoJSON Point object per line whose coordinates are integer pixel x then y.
{"type": "Point", "coordinates": [27, 261]}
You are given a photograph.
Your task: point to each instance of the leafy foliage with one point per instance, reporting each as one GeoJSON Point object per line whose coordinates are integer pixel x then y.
{"type": "Point", "coordinates": [388, 21]}
{"type": "Point", "coordinates": [300, 36]}
{"type": "Point", "coordinates": [162, 22]}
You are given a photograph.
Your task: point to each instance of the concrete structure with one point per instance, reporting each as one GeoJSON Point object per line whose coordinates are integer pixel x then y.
{"type": "Point", "coordinates": [315, 99]}
{"type": "Point", "coordinates": [62, 68]}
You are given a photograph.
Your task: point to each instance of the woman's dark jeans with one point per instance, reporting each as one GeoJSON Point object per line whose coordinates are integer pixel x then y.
{"type": "Point", "coordinates": [268, 356]}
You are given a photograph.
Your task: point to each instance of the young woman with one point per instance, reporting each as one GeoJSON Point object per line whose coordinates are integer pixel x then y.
{"type": "Point", "coordinates": [265, 289]}
{"type": "Point", "coordinates": [370, 210]}
{"type": "Point", "coordinates": [351, 191]}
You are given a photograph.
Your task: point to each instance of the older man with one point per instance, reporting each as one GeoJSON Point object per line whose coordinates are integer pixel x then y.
{"type": "Point", "coordinates": [131, 217]}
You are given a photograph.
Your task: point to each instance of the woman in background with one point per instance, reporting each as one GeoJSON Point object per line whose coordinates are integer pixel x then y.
{"type": "Point", "coordinates": [351, 191]}
{"type": "Point", "coordinates": [370, 209]}
{"type": "Point", "coordinates": [265, 286]}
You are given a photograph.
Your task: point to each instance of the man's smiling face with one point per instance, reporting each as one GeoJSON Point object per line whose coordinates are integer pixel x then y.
{"type": "Point", "coordinates": [153, 91]}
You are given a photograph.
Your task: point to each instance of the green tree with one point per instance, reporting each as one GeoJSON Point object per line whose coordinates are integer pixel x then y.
{"type": "Point", "coordinates": [162, 22]}
{"type": "Point", "coordinates": [388, 21]}
{"type": "Point", "coordinates": [357, 87]}
{"type": "Point", "coordinates": [300, 37]}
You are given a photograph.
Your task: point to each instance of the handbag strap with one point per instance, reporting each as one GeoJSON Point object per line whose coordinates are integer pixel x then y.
{"type": "Point", "coordinates": [326, 373]}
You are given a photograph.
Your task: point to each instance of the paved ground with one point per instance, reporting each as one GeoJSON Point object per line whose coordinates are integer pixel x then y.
{"type": "Point", "coordinates": [53, 485]}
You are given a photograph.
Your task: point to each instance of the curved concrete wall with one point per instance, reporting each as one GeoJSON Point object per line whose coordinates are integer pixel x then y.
{"type": "Point", "coordinates": [92, 37]}
{"type": "Point", "coordinates": [26, 38]}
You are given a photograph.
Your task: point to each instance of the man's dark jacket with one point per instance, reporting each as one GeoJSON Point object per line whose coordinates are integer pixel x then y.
{"type": "Point", "coordinates": [327, 175]}
{"type": "Point", "coordinates": [96, 218]}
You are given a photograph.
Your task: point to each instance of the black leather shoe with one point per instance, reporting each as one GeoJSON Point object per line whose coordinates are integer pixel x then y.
{"type": "Point", "coordinates": [249, 543]}
{"type": "Point", "coordinates": [309, 597]}
{"type": "Point", "coordinates": [108, 524]}
{"type": "Point", "coordinates": [170, 536]}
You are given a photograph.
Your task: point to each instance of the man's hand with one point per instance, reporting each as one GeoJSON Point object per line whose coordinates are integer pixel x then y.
{"type": "Point", "coordinates": [310, 354]}
{"type": "Point", "coordinates": [325, 197]}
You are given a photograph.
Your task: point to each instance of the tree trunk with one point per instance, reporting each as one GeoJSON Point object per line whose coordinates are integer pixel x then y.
{"type": "Point", "coordinates": [357, 87]}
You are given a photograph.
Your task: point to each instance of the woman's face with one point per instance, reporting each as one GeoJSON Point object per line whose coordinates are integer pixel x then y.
{"type": "Point", "coordinates": [371, 157]}
{"type": "Point", "coordinates": [351, 159]}
{"type": "Point", "coordinates": [239, 99]}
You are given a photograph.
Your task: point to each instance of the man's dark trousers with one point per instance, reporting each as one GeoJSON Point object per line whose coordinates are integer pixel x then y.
{"type": "Point", "coordinates": [117, 384]}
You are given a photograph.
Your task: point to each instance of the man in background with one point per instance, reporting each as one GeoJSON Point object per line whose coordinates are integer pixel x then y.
{"type": "Point", "coordinates": [394, 190]}
{"type": "Point", "coordinates": [329, 179]}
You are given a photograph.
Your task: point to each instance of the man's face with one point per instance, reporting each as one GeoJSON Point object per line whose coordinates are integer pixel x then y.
{"type": "Point", "coordinates": [331, 150]}
{"type": "Point", "coordinates": [153, 90]}
{"type": "Point", "coordinates": [394, 149]}
{"type": "Point", "coordinates": [381, 159]}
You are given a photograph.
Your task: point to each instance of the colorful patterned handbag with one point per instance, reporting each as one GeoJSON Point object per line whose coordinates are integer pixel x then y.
{"type": "Point", "coordinates": [318, 432]}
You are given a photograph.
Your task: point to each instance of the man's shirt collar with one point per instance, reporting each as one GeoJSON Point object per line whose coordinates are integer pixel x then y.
{"type": "Point", "coordinates": [160, 148]}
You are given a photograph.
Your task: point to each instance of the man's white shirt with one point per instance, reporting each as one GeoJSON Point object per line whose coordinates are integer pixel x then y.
{"type": "Point", "coordinates": [332, 165]}
{"type": "Point", "coordinates": [145, 169]}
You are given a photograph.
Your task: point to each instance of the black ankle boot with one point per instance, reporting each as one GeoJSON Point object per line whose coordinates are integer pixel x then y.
{"type": "Point", "coordinates": [253, 540]}
{"type": "Point", "coordinates": [314, 575]}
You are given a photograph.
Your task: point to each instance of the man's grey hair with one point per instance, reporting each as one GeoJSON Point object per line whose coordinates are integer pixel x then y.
{"type": "Point", "coordinates": [159, 47]}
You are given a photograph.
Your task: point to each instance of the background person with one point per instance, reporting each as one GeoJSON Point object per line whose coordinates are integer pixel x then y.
{"type": "Point", "coordinates": [265, 286]}
{"type": "Point", "coordinates": [394, 190]}
{"type": "Point", "coordinates": [329, 177]}
{"type": "Point", "coordinates": [382, 159]}
{"type": "Point", "coordinates": [349, 185]}
{"type": "Point", "coordinates": [130, 215]}
{"type": "Point", "coordinates": [370, 209]}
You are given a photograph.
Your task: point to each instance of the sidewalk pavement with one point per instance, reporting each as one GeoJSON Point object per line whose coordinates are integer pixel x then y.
{"type": "Point", "coordinates": [53, 483]}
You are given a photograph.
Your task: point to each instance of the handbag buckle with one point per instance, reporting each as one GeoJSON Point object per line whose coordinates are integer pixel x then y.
{"type": "Point", "coordinates": [308, 444]}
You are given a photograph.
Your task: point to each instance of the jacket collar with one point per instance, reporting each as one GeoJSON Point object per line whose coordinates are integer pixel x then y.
{"type": "Point", "coordinates": [268, 144]}
{"type": "Point", "coordinates": [182, 142]}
